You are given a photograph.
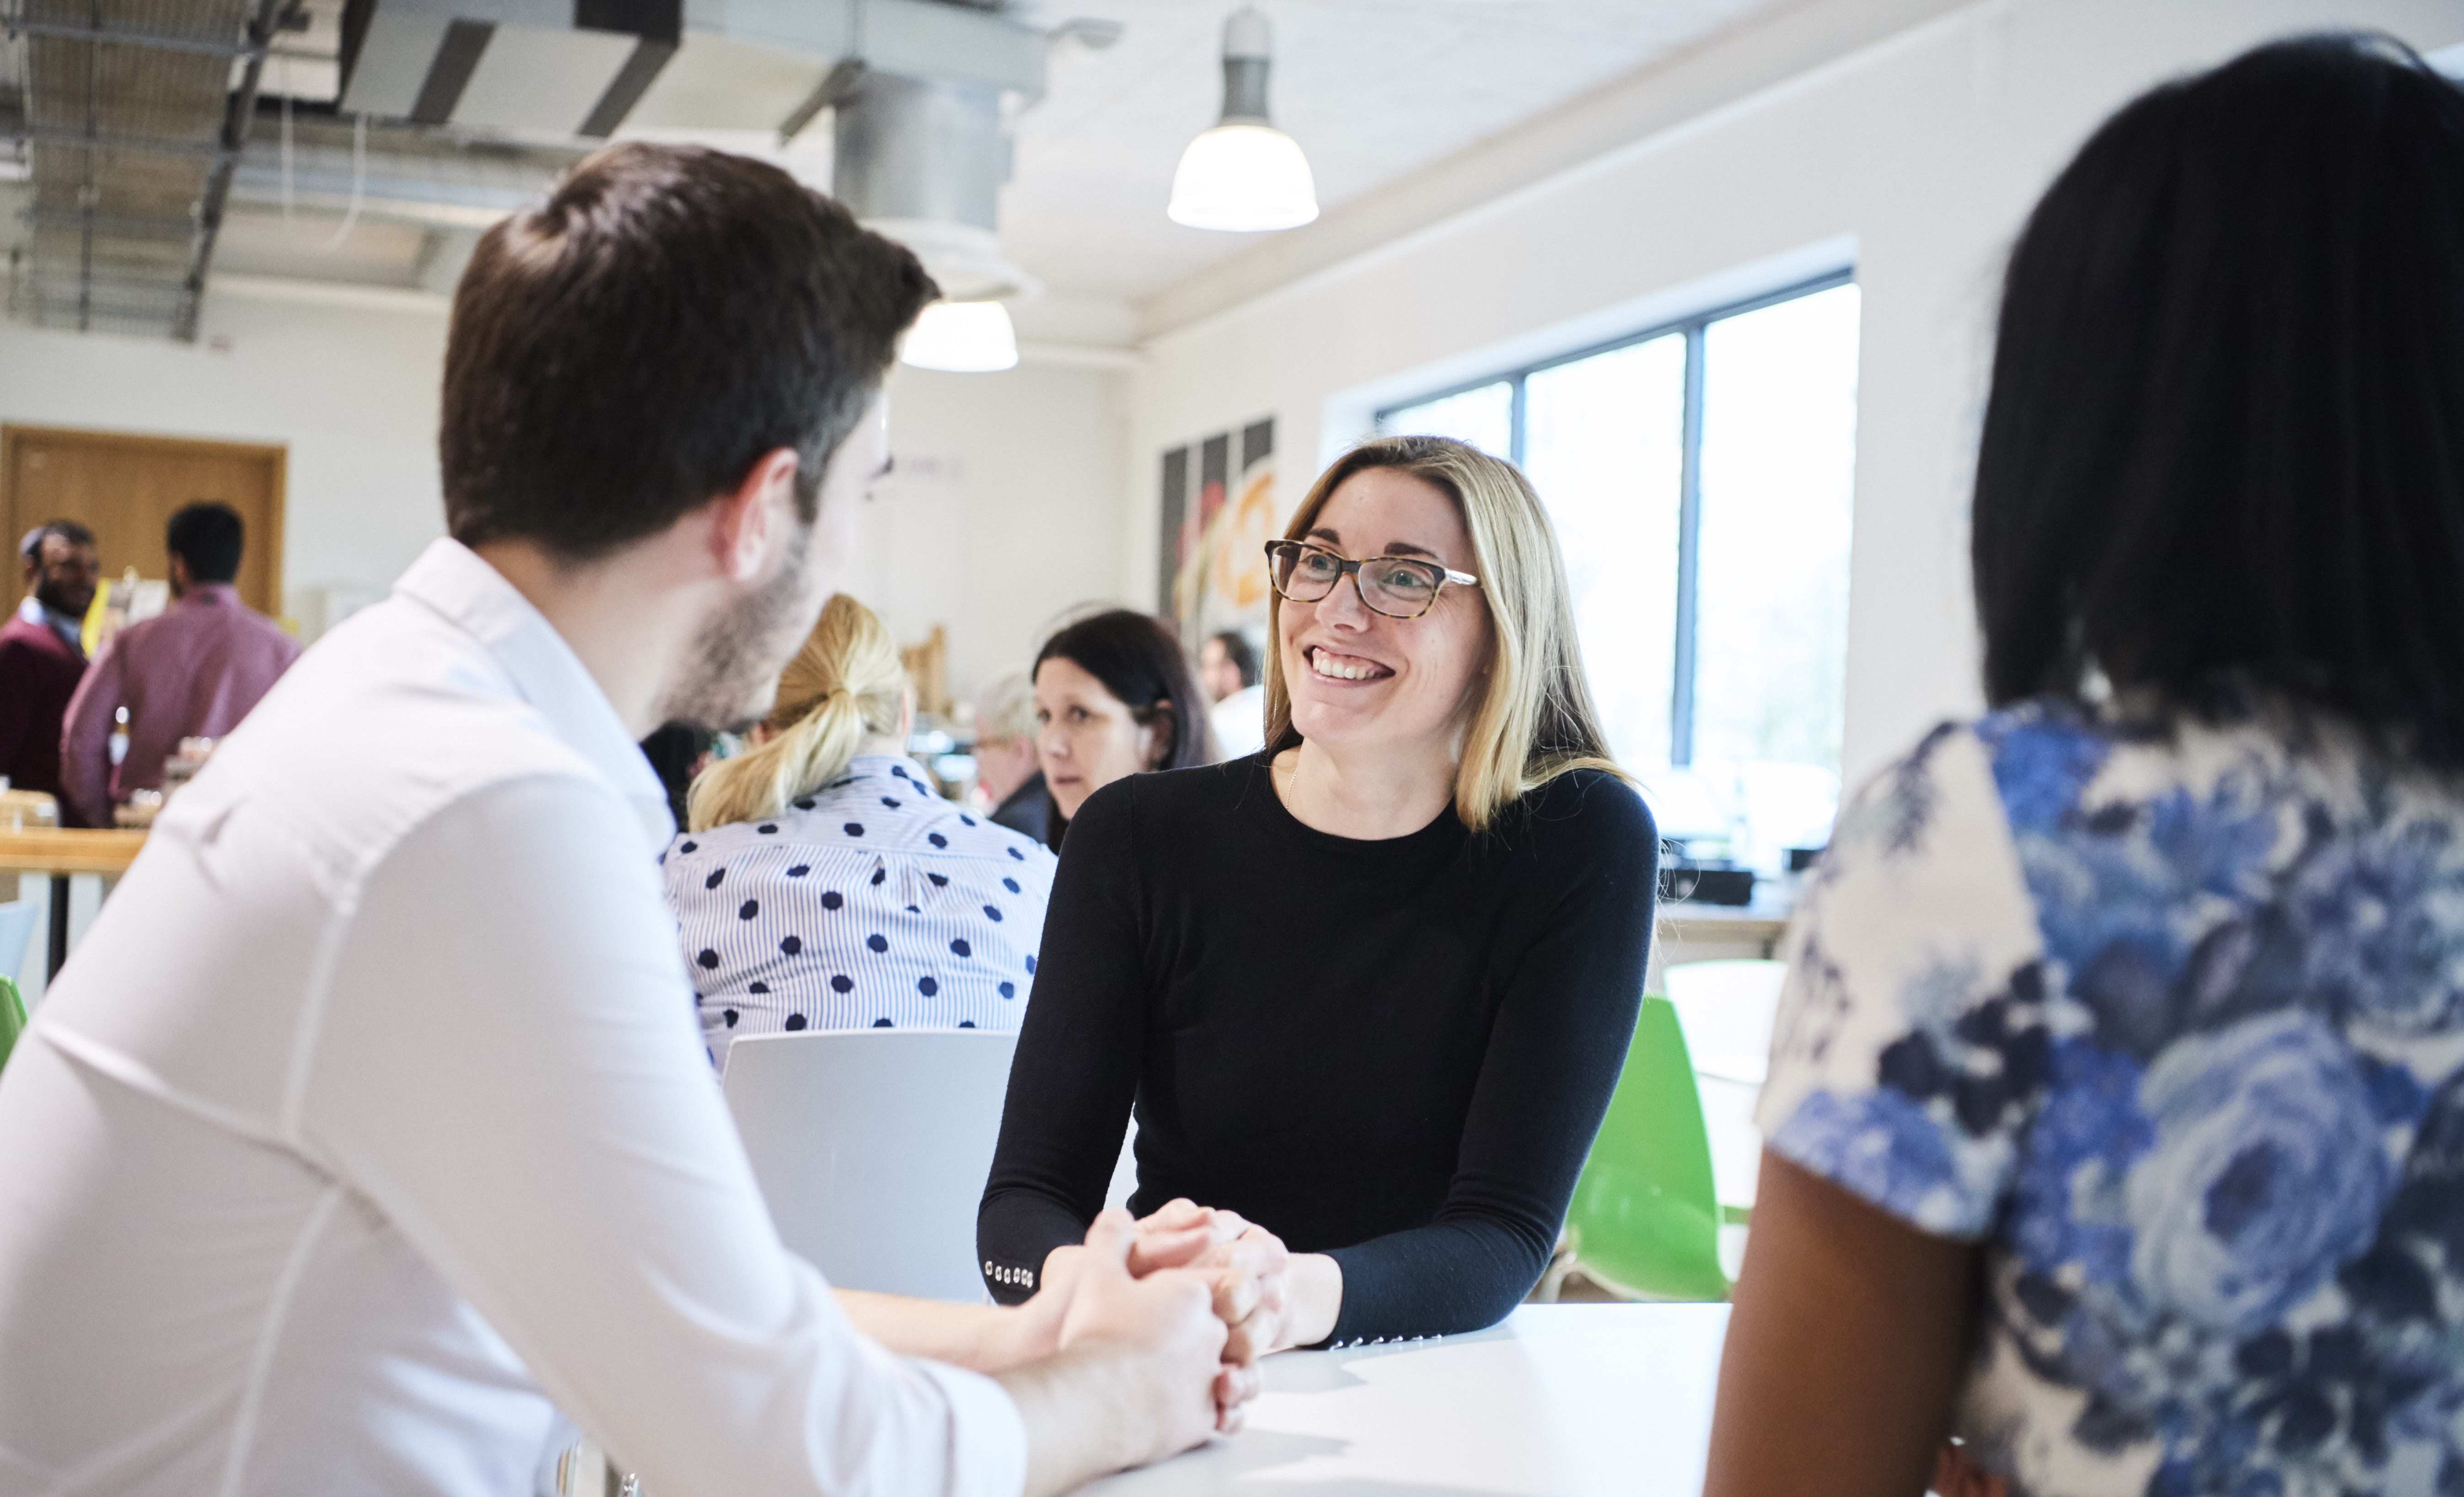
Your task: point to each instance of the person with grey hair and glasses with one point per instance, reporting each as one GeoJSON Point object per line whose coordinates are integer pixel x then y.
{"type": "Point", "coordinates": [1005, 762]}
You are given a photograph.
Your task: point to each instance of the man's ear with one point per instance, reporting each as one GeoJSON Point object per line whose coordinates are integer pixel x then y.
{"type": "Point", "coordinates": [753, 520]}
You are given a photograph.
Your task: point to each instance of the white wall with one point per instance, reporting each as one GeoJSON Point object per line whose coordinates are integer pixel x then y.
{"type": "Point", "coordinates": [1004, 511]}
{"type": "Point", "coordinates": [350, 391]}
{"type": "Point", "coordinates": [1916, 157]}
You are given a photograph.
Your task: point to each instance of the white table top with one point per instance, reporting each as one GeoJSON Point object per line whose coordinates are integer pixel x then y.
{"type": "Point", "coordinates": [1561, 1400]}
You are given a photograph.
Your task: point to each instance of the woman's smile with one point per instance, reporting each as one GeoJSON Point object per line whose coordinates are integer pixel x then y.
{"type": "Point", "coordinates": [1332, 665]}
{"type": "Point", "coordinates": [1361, 681]}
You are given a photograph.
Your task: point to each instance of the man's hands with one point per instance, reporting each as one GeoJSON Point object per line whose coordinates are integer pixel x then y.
{"type": "Point", "coordinates": [1139, 1375]}
{"type": "Point", "coordinates": [1268, 1298]}
{"type": "Point", "coordinates": [1110, 1292]}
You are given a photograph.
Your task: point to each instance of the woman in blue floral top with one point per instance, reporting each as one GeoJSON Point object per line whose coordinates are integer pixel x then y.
{"type": "Point", "coordinates": [2115, 1115]}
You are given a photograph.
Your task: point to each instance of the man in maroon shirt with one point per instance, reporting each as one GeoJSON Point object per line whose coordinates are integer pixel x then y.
{"type": "Point", "coordinates": [40, 659]}
{"type": "Point", "coordinates": [194, 671]}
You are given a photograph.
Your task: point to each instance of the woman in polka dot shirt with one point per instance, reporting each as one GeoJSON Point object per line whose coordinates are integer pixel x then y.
{"type": "Point", "coordinates": [825, 885]}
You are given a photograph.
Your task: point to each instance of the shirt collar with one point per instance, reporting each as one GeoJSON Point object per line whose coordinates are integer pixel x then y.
{"type": "Point", "coordinates": [70, 628]}
{"type": "Point", "coordinates": [458, 583]}
{"type": "Point", "coordinates": [216, 595]}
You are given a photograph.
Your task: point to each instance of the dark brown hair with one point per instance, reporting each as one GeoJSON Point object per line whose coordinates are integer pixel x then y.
{"type": "Point", "coordinates": [628, 349]}
{"type": "Point", "coordinates": [1140, 662]}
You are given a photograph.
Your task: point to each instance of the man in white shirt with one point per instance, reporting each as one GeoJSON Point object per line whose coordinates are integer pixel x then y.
{"type": "Point", "coordinates": [1228, 668]}
{"type": "Point", "coordinates": [371, 1128]}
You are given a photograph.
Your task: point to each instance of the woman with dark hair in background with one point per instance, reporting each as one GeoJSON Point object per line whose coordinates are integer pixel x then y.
{"type": "Point", "coordinates": [1114, 695]}
{"type": "Point", "coordinates": [2116, 1116]}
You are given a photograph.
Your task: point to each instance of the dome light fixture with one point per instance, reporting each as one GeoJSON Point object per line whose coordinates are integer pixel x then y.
{"type": "Point", "coordinates": [1244, 175]}
{"type": "Point", "coordinates": [961, 337]}
{"type": "Point", "coordinates": [967, 331]}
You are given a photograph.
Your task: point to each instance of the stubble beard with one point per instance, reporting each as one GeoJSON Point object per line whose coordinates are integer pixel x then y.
{"type": "Point", "coordinates": [732, 679]}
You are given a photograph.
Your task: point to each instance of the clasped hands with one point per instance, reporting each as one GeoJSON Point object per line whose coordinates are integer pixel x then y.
{"type": "Point", "coordinates": [1244, 1270]}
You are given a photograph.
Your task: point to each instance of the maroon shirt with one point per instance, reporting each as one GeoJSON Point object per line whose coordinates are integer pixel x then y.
{"type": "Point", "coordinates": [38, 674]}
{"type": "Point", "coordinates": [193, 672]}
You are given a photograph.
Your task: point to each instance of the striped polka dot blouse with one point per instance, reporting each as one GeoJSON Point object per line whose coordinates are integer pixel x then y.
{"type": "Point", "coordinates": [872, 903]}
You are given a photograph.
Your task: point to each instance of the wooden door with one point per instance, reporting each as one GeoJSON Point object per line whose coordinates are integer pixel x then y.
{"type": "Point", "coordinates": [127, 488]}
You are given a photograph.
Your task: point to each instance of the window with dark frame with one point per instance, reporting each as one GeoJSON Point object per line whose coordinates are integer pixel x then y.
{"type": "Point", "coordinates": [1700, 474]}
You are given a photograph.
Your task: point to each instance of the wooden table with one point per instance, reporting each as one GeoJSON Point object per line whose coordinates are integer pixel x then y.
{"type": "Point", "coordinates": [61, 853]}
{"type": "Point", "coordinates": [1561, 1400]}
{"type": "Point", "coordinates": [64, 852]}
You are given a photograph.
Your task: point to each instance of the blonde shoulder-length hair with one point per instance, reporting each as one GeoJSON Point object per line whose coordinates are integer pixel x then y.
{"type": "Point", "coordinates": [846, 683]}
{"type": "Point", "coordinates": [1535, 722]}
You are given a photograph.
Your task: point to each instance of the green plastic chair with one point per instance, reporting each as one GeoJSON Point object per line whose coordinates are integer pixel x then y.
{"type": "Point", "coordinates": [13, 1018]}
{"type": "Point", "coordinates": [1645, 1222]}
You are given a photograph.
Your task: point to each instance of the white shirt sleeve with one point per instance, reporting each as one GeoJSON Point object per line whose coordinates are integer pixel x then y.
{"type": "Point", "coordinates": [508, 1067]}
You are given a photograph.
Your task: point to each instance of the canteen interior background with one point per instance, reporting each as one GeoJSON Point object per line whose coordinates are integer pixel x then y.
{"type": "Point", "coordinates": [1503, 183]}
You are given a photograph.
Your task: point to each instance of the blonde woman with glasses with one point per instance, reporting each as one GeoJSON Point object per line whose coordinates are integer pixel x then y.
{"type": "Point", "coordinates": [1369, 989]}
{"type": "Point", "coordinates": [826, 885]}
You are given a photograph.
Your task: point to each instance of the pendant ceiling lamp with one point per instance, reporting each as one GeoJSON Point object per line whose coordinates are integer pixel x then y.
{"type": "Point", "coordinates": [969, 330]}
{"type": "Point", "coordinates": [1244, 174]}
{"type": "Point", "coordinates": [963, 338]}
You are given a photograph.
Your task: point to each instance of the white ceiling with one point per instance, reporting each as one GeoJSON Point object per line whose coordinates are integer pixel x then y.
{"type": "Point", "coordinates": [1372, 89]}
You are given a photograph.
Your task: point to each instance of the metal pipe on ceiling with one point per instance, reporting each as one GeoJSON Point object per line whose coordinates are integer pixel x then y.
{"type": "Point", "coordinates": [236, 121]}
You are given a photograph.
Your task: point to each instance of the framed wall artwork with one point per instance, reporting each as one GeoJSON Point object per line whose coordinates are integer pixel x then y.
{"type": "Point", "coordinates": [1219, 512]}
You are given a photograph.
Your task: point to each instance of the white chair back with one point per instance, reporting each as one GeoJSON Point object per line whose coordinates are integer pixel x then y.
{"type": "Point", "coordinates": [1727, 1009]}
{"type": "Point", "coordinates": [872, 1146]}
{"type": "Point", "coordinates": [17, 922]}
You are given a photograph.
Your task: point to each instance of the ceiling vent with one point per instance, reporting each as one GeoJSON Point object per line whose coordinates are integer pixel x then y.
{"type": "Point", "coordinates": [523, 68]}
{"type": "Point", "coordinates": [134, 115]}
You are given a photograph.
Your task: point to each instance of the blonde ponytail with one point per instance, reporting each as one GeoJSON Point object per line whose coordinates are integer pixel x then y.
{"type": "Point", "coordinates": [845, 684]}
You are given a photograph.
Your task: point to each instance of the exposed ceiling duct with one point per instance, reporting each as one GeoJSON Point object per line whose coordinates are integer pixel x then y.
{"type": "Point", "coordinates": [915, 90]}
{"type": "Point", "coordinates": [132, 116]}
{"type": "Point", "coordinates": [467, 108]}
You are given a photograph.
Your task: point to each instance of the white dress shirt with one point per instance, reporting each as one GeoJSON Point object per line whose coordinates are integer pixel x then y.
{"type": "Point", "coordinates": [1240, 721]}
{"type": "Point", "coordinates": [67, 625]}
{"type": "Point", "coordinates": [870, 904]}
{"type": "Point", "coordinates": [371, 1126]}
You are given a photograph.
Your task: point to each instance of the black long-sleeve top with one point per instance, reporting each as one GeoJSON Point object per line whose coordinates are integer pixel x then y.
{"type": "Point", "coordinates": [1397, 1052]}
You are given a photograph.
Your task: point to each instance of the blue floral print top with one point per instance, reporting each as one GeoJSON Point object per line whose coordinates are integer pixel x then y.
{"type": "Point", "coordinates": [2171, 1022]}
